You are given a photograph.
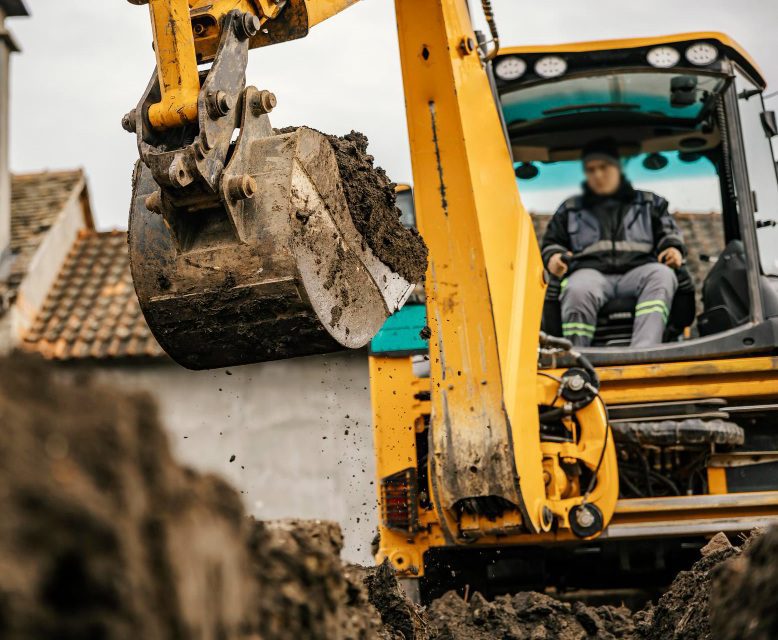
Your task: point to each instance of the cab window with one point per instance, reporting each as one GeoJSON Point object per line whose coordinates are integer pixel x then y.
{"type": "Point", "coordinates": [761, 171]}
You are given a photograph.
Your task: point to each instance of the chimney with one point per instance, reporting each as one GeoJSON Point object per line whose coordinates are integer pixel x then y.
{"type": "Point", "coordinates": [8, 9]}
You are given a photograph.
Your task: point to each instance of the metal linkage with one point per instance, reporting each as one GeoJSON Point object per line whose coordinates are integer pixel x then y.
{"type": "Point", "coordinates": [188, 162]}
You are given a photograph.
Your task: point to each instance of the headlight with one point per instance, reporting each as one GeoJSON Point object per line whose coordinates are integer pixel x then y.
{"type": "Point", "coordinates": [663, 57]}
{"type": "Point", "coordinates": [510, 68]}
{"type": "Point", "coordinates": [702, 54]}
{"type": "Point", "coordinates": [550, 67]}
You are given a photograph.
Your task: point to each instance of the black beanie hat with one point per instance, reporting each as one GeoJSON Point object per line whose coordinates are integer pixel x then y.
{"type": "Point", "coordinates": [604, 149]}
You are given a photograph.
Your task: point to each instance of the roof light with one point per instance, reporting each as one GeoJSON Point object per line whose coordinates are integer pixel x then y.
{"type": "Point", "coordinates": [550, 67]}
{"type": "Point", "coordinates": [663, 57]}
{"type": "Point", "coordinates": [510, 68]}
{"type": "Point", "coordinates": [702, 54]}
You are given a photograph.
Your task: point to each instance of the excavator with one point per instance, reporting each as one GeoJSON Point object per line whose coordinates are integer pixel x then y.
{"type": "Point", "coordinates": [505, 457]}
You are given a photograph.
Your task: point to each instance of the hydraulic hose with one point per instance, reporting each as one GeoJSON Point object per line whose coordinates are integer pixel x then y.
{"type": "Point", "coordinates": [490, 21]}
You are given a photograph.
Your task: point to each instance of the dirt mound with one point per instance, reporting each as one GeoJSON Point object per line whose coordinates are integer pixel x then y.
{"type": "Point", "coordinates": [525, 616]}
{"type": "Point", "coordinates": [304, 591]}
{"type": "Point", "coordinates": [744, 598]}
{"type": "Point", "coordinates": [682, 612]}
{"type": "Point", "coordinates": [104, 536]}
{"type": "Point", "coordinates": [371, 199]}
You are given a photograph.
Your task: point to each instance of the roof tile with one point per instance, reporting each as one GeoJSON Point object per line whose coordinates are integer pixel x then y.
{"type": "Point", "coordinates": [36, 201]}
{"type": "Point", "coordinates": [91, 311]}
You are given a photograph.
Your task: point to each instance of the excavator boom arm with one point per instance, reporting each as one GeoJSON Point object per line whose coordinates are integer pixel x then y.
{"type": "Point", "coordinates": [187, 33]}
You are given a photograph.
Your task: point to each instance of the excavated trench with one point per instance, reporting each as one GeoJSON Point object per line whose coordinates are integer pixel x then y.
{"type": "Point", "coordinates": [104, 536]}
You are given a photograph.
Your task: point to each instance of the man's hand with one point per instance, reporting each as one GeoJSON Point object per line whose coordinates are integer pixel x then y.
{"type": "Point", "coordinates": [672, 257]}
{"type": "Point", "coordinates": [557, 266]}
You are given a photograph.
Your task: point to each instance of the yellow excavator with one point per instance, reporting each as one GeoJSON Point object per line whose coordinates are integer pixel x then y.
{"type": "Point", "coordinates": [505, 457]}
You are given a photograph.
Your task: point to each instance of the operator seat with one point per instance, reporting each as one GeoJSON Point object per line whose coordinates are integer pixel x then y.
{"type": "Point", "coordinates": [616, 318]}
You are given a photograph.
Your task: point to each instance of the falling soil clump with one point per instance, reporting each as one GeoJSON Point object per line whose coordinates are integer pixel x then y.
{"type": "Point", "coordinates": [398, 614]}
{"type": "Point", "coordinates": [371, 200]}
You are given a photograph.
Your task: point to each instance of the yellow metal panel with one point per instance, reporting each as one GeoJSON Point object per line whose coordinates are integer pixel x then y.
{"type": "Point", "coordinates": [320, 10]}
{"type": "Point", "coordinates": [392, 389]}
{"type": "Point", "coordinates": [734, 378]}
{"type": "Point", "coordinates": [717, 480]}
{"type": "Point", "coordinates": [675, 369]}
{"type": "Point", "coordinates": [684, 506]}
{"type": "Point", "coordinates": [484, 290]}
{"type": "Point", "coordinates": [176, 64]}
{"type": "Point", "coordinates": [396, 410]}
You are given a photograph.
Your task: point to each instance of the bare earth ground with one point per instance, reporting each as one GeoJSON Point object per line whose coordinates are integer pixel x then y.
{"type": "Point", "coordinates": [104, 536]}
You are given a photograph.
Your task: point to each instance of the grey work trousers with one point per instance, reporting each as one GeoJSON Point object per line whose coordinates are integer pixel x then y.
{"type": "Point", "coordinates": [585, 292]}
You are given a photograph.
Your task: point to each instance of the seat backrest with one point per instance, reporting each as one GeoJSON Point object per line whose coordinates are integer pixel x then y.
{"type": "Point", "coordinates": [725, 296]}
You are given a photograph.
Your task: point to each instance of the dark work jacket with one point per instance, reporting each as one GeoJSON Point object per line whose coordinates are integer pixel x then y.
{"type": "Point", "coordinates": [612, 234]}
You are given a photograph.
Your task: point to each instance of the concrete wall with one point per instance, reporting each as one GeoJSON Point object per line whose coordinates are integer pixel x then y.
{"type": "Point", "coordinates": [300, 431]}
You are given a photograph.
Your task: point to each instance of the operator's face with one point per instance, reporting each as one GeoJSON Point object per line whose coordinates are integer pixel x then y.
{"type": "Point", "coordinates": [602, 177]}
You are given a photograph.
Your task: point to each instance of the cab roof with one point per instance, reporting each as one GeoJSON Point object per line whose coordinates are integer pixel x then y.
{"type": "Point", "coordinates": [732, 49]}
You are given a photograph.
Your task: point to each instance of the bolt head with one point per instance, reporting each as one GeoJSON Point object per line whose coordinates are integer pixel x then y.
{"type": "Point", "coordinates": [467, 46]}
{"type": "Point", "coordinates": [263, 102]}
{"type": "Point", "coordinates": [128, 122]}
{"type": "Point", "coordinates": [225, 102]}
{"type": "Point", "coordinates": [220, 104]}
{"type": "Point", "coordinates": [179, 176]}
{"type": "Point", "coordinates": [154, 202]}
{"type": "Point", "coordinates": [242, 187]}
{"type": "Point", "coordinates": [249, 26]}
{"type": "Point", "coordinates": [584, 517]}
{"type": "Point", "coordinates": [576, 383]}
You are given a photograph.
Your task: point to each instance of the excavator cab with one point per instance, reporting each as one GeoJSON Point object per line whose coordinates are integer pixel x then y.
{"type": "Point", "coordinates": [688, 116]}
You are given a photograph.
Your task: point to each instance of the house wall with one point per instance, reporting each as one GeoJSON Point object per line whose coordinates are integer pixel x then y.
{"type": "Point", "coordinates": [300, 431]}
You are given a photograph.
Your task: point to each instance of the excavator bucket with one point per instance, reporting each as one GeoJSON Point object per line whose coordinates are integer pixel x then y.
{"type": "Point", "coordinates": [274, 269]}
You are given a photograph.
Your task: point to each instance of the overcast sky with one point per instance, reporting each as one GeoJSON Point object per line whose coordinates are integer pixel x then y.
{"type": "Point", "coordinates": [86, 62]}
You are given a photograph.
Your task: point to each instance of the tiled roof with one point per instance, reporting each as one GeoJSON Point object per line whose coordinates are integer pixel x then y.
{"type": "Point", "coordinates": [703, 234]}
{"type": "Point", "coordinates": [91, 311]}
{"type": "Point", "coordinates": [36, 201]}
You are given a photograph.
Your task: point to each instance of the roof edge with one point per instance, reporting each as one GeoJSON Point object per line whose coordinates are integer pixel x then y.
{"type": "Point", "coordinates": [10, 42]}
{"type": "Point", "coordinates": [14, 8]}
